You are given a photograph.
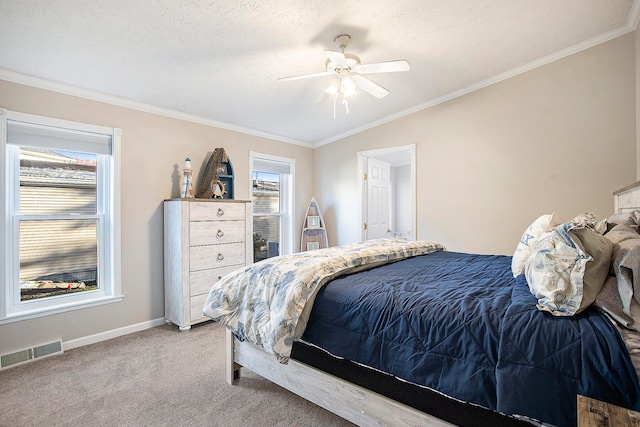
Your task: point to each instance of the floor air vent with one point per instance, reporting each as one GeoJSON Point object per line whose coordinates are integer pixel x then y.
{"type": "Point", "coordinates": [26, 355]}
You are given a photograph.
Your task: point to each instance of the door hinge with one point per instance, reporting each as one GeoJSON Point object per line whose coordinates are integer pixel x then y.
{"type": "Point", "coordinates": [365, 225]}
{"type": "Point", "coordinates": [365, 176]}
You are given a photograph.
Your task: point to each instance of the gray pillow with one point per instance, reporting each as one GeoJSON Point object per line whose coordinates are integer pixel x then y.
{"type": "Point", "coordinates": [597, 270]}
{"type": "Point", "coordinates": [631, 219]}
{"type": "Point", "coordinates": [624, 276]}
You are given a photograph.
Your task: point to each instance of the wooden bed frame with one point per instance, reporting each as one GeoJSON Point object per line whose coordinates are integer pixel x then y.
{"type": "Point", "coordinates": [353, 403]}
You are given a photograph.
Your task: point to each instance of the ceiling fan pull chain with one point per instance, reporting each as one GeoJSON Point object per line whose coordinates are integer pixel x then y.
{"type": "Point", "coordinates": [346, 105]}
{"type": "Point", "coordinates": [334, 107]}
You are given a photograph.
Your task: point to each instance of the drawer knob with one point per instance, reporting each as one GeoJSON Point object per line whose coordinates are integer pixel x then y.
{"type": "Point", "coordinates": [220, 212]}
{"type": "Point", "coordinates": [220, 257]}
{"type": "Point", "coordinates": [219, 234]}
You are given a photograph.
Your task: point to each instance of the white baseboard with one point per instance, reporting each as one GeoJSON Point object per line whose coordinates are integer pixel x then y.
{"type": "Point", "coordinates": [102, 336]}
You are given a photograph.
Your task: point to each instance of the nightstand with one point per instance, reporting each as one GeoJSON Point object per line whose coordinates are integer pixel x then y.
{"type": "Point", "coordinates": [595, 413]}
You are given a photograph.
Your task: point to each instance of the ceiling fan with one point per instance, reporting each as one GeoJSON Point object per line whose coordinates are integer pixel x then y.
{"type": "Point", "coordinates": [349, 72]}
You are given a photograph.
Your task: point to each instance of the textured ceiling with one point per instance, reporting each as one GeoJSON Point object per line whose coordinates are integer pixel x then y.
{"type": "Point", "coordinates": [220, 60]}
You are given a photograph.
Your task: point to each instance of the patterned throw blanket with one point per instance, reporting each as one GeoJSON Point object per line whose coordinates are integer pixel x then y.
{"type": "Point", "coordinates": [268, 303]}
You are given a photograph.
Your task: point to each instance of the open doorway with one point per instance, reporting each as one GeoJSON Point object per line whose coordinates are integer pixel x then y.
{"type": "Point", "coordinates": [387, 179]}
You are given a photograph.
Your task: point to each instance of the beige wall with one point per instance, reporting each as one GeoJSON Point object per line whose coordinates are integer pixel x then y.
{"type": "Point", "coordinates": [153, 152]}
{"type": "Point", "coordinates": [637, 33]}
{"type": "Point", "coordinates": [558, 138]}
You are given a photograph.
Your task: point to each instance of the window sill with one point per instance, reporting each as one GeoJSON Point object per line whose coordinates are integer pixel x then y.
{"type": "Point", "coordinates": [61, 308]}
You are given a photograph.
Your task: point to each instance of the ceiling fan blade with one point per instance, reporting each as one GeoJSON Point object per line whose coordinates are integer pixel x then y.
{"type": "Point", "coordinates": [370, 87]}
{"type": "Point", "coordinates": [306, 76]}
{"type": "Point", "coordinates": [382, 67]}
{"type": "Point", "coordinates": [337, 58]}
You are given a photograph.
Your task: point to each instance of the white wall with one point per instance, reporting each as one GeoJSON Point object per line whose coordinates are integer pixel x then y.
{"type": "Point", "coordinates": [153, 151]}
{"type": "Point", "coordinates": [558, 138]}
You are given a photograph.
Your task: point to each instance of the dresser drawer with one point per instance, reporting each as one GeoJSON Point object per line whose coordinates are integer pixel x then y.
{"type": "Point", "coordinates": [197, 304]}
{"type": "Point", "coordinates": [203, 280]}
{"type": "Point", "coordinates": [208, 211]}
{"type": "Point", "coordinates": [215, 256]}
{"type": "Point", "coordinates": [214, 232]}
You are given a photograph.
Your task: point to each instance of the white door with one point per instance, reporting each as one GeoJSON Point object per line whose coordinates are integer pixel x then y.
{"type": "Point", "coordinates": [378, 184]}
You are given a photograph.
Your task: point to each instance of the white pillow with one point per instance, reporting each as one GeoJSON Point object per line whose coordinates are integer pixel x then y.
{"type": "Point", "coordinates": [540, 227]}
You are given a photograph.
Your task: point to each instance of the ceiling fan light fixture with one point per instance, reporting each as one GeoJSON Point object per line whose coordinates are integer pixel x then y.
{"type": "Point", "coordinates": [334, 87]}
{"type": "Point", "coordinates": [347, 87]}
{"type": "Point", "coordinates": [342, 87]}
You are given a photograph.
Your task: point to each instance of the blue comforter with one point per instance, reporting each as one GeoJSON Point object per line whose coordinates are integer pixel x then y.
{"type": "Point", "coordinates": [462, 325]}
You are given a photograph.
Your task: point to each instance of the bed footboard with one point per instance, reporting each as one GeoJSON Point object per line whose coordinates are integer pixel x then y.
{"type": "Point", "coordinates": [352, 402]}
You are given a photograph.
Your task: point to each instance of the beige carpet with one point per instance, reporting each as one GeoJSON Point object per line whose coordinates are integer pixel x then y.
{"type": "Point", "coordinates": [157, 377]}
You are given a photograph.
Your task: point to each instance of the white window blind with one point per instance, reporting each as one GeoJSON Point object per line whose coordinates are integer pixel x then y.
{"type": "Point", "coordinates": [44, 136]}
{"type": "Point", "coordinates": [272, 166]}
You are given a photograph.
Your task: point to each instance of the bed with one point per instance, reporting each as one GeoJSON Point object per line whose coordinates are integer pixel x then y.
{"type": "Point", "coordinates": [407, 333]}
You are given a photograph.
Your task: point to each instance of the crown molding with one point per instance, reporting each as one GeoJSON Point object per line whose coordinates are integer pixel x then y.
{"type": "Point", "coordinates": [634, 15]}
{"type": "Point", "coordinates": [37, 82]}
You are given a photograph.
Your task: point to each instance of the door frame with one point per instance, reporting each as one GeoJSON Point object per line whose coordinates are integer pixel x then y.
{"type": "Point", "coordinates": [363, 156]}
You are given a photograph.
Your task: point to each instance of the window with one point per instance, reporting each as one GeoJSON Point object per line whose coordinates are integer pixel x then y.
{"type": "Point", "coordinates": [60, 215]}
{"type": "Point", "coordinates": [272, 197]}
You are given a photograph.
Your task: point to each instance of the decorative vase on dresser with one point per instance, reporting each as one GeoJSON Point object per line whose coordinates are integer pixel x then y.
{"type": "Point", "coordinates": [204, 239]}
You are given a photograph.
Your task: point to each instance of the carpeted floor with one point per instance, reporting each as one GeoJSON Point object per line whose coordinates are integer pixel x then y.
{"type": "Point", "coordinates": [156, 377]}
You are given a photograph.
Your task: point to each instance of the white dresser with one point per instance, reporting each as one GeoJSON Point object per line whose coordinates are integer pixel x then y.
{"type": "Point", "coordinates": [204, 239]}
{"type": "Point", "coordinates": [627, 199]}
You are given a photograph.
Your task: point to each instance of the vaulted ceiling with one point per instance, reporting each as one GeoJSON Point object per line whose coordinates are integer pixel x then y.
{"type": "Point", "coordinates": [219, 61]}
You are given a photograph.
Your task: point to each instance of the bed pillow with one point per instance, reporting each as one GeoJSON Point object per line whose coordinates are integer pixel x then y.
{"type": "Point", "coordinates": [631, 219]}
{"type": "Point", "coordinates": [541, 226]}
{"type": "Point", "coordinates": [568, 268]}
{"type": "Point", "coordinates": [622, 286]}
{"type": "Point", "coordinates": [596, 271]}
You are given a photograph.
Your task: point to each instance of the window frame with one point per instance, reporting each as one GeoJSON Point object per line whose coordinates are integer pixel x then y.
{"type": "Point", "coordinates": [287, 196]}
{"type": "Point", "coordinates": [107, 218]}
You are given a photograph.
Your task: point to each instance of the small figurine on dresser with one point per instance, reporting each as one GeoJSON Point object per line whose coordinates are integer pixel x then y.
{"type": "Point", "coordinates": [187, 180]}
